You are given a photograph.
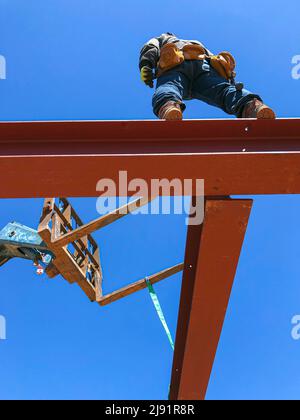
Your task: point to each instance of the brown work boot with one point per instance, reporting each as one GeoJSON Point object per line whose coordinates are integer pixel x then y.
{"type": "Point", "coordinates": [257, 109]}
{"type": "Point", "coordinates": [171, 111]}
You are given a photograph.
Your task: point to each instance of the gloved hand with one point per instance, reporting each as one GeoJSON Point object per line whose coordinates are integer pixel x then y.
{"type": "Point", "coordinates": [147, 76]}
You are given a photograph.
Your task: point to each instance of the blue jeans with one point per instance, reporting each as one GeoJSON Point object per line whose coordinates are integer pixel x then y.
{"type": "Point", "coordinates": [198, 80]}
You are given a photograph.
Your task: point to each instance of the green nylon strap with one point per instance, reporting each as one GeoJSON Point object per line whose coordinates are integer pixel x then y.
{"type": "Point", "coordinates": [159, 311]}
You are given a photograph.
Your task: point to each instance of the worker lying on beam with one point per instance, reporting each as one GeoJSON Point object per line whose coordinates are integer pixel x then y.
{"type": "Point", "coordinates": [187, 70]}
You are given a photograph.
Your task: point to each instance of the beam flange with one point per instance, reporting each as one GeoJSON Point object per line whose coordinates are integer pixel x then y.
{"type": "Point", "coordinates": [212, 255]}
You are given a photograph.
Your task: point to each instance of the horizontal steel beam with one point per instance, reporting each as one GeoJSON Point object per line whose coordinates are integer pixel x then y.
{"type": "Point", "coordinates": [234, 157]}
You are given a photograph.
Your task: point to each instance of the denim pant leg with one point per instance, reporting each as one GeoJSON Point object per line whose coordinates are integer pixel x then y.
{"type": "Point", "coordinates": [213, 89]}
{"type": "Point", "coordinates": [171, 86]}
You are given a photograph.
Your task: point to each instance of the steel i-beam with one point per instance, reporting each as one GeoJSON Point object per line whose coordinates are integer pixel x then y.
{"type": "Point", "coordinates": [212, 255]}
{"type": "Point", "coordinates": [68, 158]}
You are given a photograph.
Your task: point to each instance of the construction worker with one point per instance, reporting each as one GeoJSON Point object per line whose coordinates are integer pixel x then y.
{"type": "Point", "coordinates": [188, 70]}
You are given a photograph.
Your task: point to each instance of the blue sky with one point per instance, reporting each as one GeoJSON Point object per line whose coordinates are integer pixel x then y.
{"type": "Point", "coordinates": [78, 60]}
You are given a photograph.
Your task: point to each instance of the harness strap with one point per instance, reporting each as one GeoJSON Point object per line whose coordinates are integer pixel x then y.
{"type": "Point", "coordinates": [159, 311]}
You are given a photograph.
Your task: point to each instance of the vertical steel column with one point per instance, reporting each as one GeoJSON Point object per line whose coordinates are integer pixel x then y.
{"type": "Point", "coordinates": [212, 255]}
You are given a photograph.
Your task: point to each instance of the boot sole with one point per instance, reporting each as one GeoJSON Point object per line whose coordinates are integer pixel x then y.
{"type": "Point", "coordinates": [266, 113]}
{"type": "Point", "coordinates": [173, 115]}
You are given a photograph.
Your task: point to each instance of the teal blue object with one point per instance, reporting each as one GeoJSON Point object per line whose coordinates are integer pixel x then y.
{"type": "Point", "coordinates": [159, 311]}
{"type": "Point", "coordinates": [19, 241]}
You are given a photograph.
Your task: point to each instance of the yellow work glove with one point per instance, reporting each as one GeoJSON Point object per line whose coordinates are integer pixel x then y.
{"type": "Point", "coordinates": [147, 76]}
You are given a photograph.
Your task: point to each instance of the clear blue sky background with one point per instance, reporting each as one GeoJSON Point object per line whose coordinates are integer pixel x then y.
{"type": "Point", "coordinates": [78, 60]}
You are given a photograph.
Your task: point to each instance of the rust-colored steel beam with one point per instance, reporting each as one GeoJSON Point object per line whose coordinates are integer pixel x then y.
{"type": "Point", "coordinates": [212, 255]}
{"type": "Point", "coordinates": [234, 157]}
